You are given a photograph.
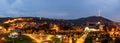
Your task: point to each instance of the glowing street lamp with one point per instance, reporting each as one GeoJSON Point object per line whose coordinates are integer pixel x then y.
{"type": "Point", "coordinates": [1, 27]}
{"type": "Point", "coordinates": [98, 22]}
{"type": "Point", "coordinates": [59, 36]}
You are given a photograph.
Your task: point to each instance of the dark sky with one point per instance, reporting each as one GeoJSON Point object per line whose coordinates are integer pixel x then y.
{"type": "Point", "coordinates": [63, 9]}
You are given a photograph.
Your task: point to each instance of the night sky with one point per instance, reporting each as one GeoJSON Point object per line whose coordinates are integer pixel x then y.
{"type": "Point", "coordinates": [62, 9]}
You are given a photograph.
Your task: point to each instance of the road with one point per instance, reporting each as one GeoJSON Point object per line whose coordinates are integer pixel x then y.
{"type": "Point", "coordinates": [82, 38]}
{"type": "Point", "coordinates": [34, 37]}
{"type": "Point", "coordinates": [39, 38]}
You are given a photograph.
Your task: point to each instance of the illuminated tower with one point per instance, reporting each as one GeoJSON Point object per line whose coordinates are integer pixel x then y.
{"type": "Point", "coordinates": [99, 13]}
{"type": "Point", "coordinates": [99, 22]}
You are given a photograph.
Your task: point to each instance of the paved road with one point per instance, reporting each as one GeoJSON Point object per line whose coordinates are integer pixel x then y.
{"type": "Point", "coordinates": [82, 38]}
{"type": "Point", "coordinates": [38, 38]}
{"type": "Point", "coordinates": [34, 37]}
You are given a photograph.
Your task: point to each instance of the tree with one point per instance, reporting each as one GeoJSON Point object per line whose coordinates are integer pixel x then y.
{"type": "Point", "coordinates": [88, 39]}
{"type": "Point", "coordinates": [46, 27]}
{"type": "Point", "coordinates": [6, 26]}
{"type": "Point", "coordinates": [117, 40]}
{"type": "Point", "coordinates": [105, 27]}
{"type": "Point", "coordinates": [66, 27]}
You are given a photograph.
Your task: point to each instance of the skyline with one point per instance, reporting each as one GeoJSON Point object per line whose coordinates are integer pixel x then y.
{"type": "Point", "coordinates": [61, 9]}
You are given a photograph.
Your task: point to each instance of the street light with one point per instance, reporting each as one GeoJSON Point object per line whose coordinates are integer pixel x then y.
{"type": "Point", "coordinates": [59, 36]}
{"type": "Point", "coordinates": [0, 27]}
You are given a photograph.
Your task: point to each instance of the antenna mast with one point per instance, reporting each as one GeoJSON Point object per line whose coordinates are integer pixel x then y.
{"type": "Point", "coordinates": [99, 13]}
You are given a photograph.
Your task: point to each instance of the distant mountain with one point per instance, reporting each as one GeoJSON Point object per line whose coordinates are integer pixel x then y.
{"type": "Point", "coordinates": [90, 19]}
{"type": "Point", "coordinates": [79, 21]}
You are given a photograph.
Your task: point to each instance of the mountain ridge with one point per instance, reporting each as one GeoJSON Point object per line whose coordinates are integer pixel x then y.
{"type": "Point", "coordinates": [73, 21]}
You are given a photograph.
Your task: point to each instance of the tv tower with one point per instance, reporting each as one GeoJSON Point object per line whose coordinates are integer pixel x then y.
{"type": "Point", "coordinates": [99, 13]}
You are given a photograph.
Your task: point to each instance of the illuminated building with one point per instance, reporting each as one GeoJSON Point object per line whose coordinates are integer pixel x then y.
{"type": "Point", "coordinates": [56, 27]}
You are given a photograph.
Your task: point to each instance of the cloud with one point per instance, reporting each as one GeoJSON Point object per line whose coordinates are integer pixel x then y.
{"type": "Point", "coordinates": [10, 1]}
{"type": "Point", "coordinates": [3, 5]}
{"type": "Point", "coordinates": [67, 9]}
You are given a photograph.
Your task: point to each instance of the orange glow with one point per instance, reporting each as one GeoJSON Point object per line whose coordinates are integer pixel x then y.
{"type": "Point", "coordinates": [111, 33]}
{"type": "Point", "coordinates": [97, 39]}
{"type": "Point", "coordinates": [113, 29]}
{"type": "Point", "coordinates": [34, 38]}
{"type": "Point", "coordinates": [3, 38]}
{"type": "Point", "coordinates": [116, 32]}
{"type": "Point", "coordinates": [11, 21]}
{"type": "Point", "coordinates": [56, 27]}
{"type": "Point", "coordinates": [11, 28]}
{"type": "Point", "coordinates": [49, 37]}
{"type": "Point", "coordinates": [82, 38]}
{"type": "Point", "coordinates": [2, 30]}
